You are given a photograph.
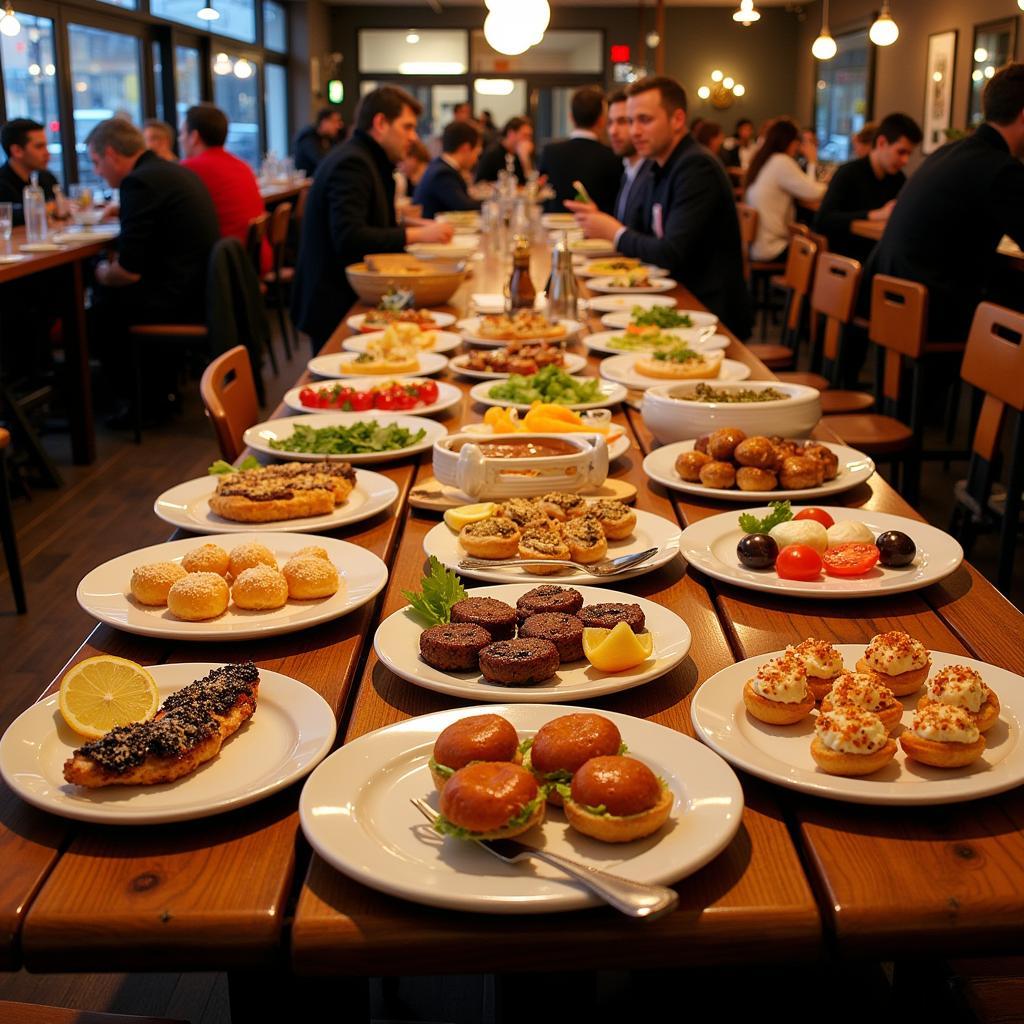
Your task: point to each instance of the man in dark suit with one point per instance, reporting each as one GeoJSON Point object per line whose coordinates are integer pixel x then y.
{"type": "Point", "coordinates": [315, 141]}
{"type": "Point", "coordinates": [443, 185]}
{"type": "Point", "coordinates": [24, 142]}
{"type": "Point", "coordinates": [634, 167]}
{"type": "Point", "coordinates": [685, 219]}
{"type": "Point", "coordinates": [516, 141]}
{"type": "Point", "coordinates": [351, 211]}
{"type": "Point", "coordinates": [583, 157]}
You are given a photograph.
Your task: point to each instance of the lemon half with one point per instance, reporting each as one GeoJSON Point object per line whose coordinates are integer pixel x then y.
{"type": "Point", "coordinates": [102, 692]}
{"type": "Point", "coordinates": [457, 518]}
{"type": "Point", "coordinates": [618, 649]}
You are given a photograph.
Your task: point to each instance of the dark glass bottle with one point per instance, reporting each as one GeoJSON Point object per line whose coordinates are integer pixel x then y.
{"type": "Point", "coordinates": [521, 292]}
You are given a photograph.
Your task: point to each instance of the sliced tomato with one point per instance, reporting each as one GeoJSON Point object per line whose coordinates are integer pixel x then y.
{"type": "Point", "coordinates": [850, 559]}
{"type": "Point", "coordinates": [798, 562]}
{"type": "Point", "coordinates": [819, 515]}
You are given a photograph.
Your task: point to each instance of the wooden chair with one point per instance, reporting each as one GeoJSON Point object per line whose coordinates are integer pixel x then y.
{"type": "Point", "coordinates": [254, 241]}
{"type": "Point", "coordinates": [228, 390]}
{"type": "Point", "coordinates": [280, 277]}
{"type": "Point", "coordinates": [994, 363]}
{"type": "Point", "coordinates": [756, 272]}
{"type": "Point", "coordinates": [7, 535]}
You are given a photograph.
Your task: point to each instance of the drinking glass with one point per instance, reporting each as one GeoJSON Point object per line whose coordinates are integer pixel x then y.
{"type": "Point", "coordinates": [6, 224]}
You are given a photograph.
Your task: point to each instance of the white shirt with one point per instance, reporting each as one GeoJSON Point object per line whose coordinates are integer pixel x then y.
{"type": "Point", "coordinates": [773, 193]}
{"type": "Point", "coordinates": [631, 168]}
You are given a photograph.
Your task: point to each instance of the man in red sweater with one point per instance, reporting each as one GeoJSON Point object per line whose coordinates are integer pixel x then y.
{"type": "Point", "coordinates": [230, 181]}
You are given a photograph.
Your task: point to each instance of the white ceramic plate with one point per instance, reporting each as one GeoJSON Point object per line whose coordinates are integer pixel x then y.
{"type": "Point", "coordinates": [571, 363]}
{"type": "Point", "coordinates": [13, 257]}
{"type": "Point", "coordinates": [187, 506]}
{"type": "Point", "coordinates": [41, 247]}
{"type": "Point", "coordinates": [625, 303]}
{"type": "Point", "coordinates": [290, 733]}
{"type": "Point", "coordinates": [618, 445]}
{"type": "Point", "coordinates": [447, 396]}
{"type": "Point", "coordinates": [105, 593]}
{"type": "Point", "coordinates": [444, 341]}
{"type": "Point", "coordinates": [782, 754]}
{"type": "Point", "coordinates": [651, 532]}
{"type": "Point", "coordinates": [710, 545]}
{"type": "Point", "coordinates": [622, 315]}
{"type": "Point", "coordinates": [441, 320]}
{"type": "Point", "coordinates": [398, 638]}
{"type": "Point", "coordinates": [591, 268]}
{"type": "Point", "coordinates": [356, 814]}
{"type": "Point", "coordinates": [613, 394]}
{"type": "Point", "coordinates": [81, 237]}
{"type": "Point", "coordinates": [333, 365]}
{"type": "Point", "coordinates": [621, 370]}
{"type": "Point", "coordinates": [459, 248]}
{"type": "Point", "coordinates": [259, 437]}
{"type": "Point", "coordinates": [558, 221]}
{"type": "Point", "coordinates": [653, 287]}
{"type": "Point", "coordinates": [464, 221]}
{"type": "Point", "coordinates": [470, 325]}
{"type": "Point", "coordinates": [593, 247]}
{"type": "Point", "coordinates": [854, 468]}
{"type": "Point", "coordinates": [698, 338]}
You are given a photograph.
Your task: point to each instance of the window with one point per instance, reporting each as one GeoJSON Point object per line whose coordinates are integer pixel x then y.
{"type": "Point", "coordinates": [275, 96]}
{"type": "Point", "coordinates": [412, 51]}
{"type": "Point", "coordinates": [237, 18]}
{"type": "Point", "coordinates": [994, 44]}
{"type": "Point", "coordinates": [131, 4]}
{"type": "Point", "coordinates": [30, 80]}
{"type": "Point", "coordinates": [188, 86]}
{"type": "Point", "coordinates": [275, 26]}
{"type": "Point", "coordinates": [842, 95]}
{"type": "Point", "coordinates": [560, 52]}
{"type": "Point", "coordinates": [235, 92]}
{"type": "Point", "coordinates": [158, 81]}
{"type": "Point", "coordinates": [106, 80]}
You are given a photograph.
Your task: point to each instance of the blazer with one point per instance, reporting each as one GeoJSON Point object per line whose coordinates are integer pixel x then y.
{"type": "Point", "coordinates": [634, 213]}
{"type": "Point", "coordinates": [350, 213]}
{"type": "Point", "coordinates": [585, 160]}
{"type": "Point", "coordinates": [441, 189]}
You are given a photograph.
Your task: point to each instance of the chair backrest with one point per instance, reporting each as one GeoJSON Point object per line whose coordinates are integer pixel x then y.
{"type": "Point", "coordinates": [836, 279]}
{"type": "Point", "coordinates": [748, 232]}
{"type": "Point", "coordinates": [278, 233]}
{"type": "Point", "coordinates": [798, 276]}
{"type": "Point", "coordinates": [229, 394]}
{"type": "Point", "coordinates": [300, 204]}
{"type": "Point", "coordinates": [254, 239]}
{"type": "Point", "coordinates": [899, 316]}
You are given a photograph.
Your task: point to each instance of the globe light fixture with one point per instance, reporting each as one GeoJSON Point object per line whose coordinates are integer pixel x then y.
{"type": "Point", "coordinates": [716, 75]}
{"type": "Point", "coordinates": [9, 24]}
{"type": "Point", "coordinates": [412, 37]}
{"type": "Point", "coordinates": [222, 64]}
{"type": "Point", "coordinates": [703, 92]}
{"type": "Point", "coordinates": [723, 91]}
{"type": "Point", "coordinates": [653, 39]}
{"type": "Point", "coordinates": [738, 89]}
{"type": "Point", "coordinates": [884, 31]}
{"type": "Point", "coordinates": [208, 12]}
{"type": "Point", "coordinates": [824, 47]}
{"type": "Point", "coordinates": [746, 15]}
{"type": "Point", "coordinates": [506, 34]}
{"type": "Point", "coordinates": [980, 55]}
{"type": "Point", "coordinates": [243, 69]}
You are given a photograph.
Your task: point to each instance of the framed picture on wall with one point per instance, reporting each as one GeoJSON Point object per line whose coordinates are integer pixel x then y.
{"type": "Point", "coordinates": [938, 95]}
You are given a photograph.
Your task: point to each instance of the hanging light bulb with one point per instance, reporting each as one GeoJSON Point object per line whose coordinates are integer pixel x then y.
{"type": "Point", "coordinates": [824, 47]}
{"type": "Point", "coordinates": [208, 12]}
{"type": "Point", "coordinates": [9, 24]}
{"type": "Point", "coordinates": [243, 69]}
{"type": "Point", "coordinates": [738, 89]}
{"type": "Point", "coordinates": [703, 92]}
{"type": "Point", "coordinates": [746, 14]}
{"type": "Point", "coordinates": [507, 34]}
{"type": "Point", "coordinates": [222, 64]}
{"type": "Point", "coordinates": [1020, 4]}
{"type": "Point", "coordinates": [884, 31]}
{"type": "Point", "coordinates": [412, 37]}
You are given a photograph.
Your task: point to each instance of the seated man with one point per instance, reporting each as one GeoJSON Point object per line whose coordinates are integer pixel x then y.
{"type": "Point", "coordinates": [686, 220]}
{"type": "Point", "coordinates": [443, 185]}
{"type": "Point", "coordinates": [315, 141]}
{"type": "Point", "coordinates": [866, 189]}
{"type": "Point", "coordinates": [516, 141]}
{"type": "Point", "coordinates": [159, 138]}
{"type": "Point", "coordinates": [24, 142]}
{"type": "Point", "coordinates": [351, 211]}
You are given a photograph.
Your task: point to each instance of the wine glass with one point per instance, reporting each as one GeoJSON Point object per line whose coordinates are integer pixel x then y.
{"type": "Point", "coordinates": [6, 224]}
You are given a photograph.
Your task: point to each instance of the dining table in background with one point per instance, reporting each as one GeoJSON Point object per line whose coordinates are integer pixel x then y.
{"type": "Point", "coordinates": [1007, 248]}
{"type": "Point", "coordinates": [278, 191]}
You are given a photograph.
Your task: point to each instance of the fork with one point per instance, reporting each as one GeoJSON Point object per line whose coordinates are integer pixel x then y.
{"type": "Point", "coordinates": [606, 567]}
{"type": "Point", "coordinates": [634, 899]}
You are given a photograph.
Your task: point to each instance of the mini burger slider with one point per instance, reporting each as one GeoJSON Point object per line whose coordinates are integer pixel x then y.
{"type": "Point", "coordinates": [562, 745]}
{"type": "Point", "coordinates": [490, 800]}
{"type": "Point", "coordinates": [475, 738]}
{"type": "Point", "coordinates": [617, 799]}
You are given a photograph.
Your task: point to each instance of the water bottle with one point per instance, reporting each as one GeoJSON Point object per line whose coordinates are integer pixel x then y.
{"type": "Point", "coordinates": [34, 199]}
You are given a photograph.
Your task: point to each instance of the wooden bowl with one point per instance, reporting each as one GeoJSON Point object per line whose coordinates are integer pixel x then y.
{"type": "Point", "coordinates": [432, 282]}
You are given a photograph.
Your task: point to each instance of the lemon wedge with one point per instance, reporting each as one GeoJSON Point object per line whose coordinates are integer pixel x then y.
{"type": "Point", "coordinates": [100, 693]}
{"type": "Point", "coordinates": [457, 518]}
{"type": "Point", "coordinates": [618, 649]}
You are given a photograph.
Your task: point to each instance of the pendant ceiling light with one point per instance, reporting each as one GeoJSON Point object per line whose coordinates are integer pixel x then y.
{"type": "Point", "coordinates": [513, 26]}
{"type": "Point", "coordinates": [243, 69]}
{"type": "Point", "coordinates": [222, 64]}
{"type": "Point", "coordinates": [746, 15]}
{"type": "Point", "coordinates": [208, 12]}
{"type": "Point", "coordinates": [824, 47]}
{"type": "Point", "coordinates": [9, 24]}
{"type": "Point", "coordinates": [884, 31]}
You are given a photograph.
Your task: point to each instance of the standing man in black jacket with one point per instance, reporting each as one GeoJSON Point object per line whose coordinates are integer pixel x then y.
{"type": "Point", "coordinates": [443, 185]}
{"type": "Point", "coordinates": [315, 141]}
{"type": "Point", "coordinates": [583, 156]}
{"type": "Point", "coordinates": [351, 211]}
{"type": "Point", "coordinates": [686, 220]}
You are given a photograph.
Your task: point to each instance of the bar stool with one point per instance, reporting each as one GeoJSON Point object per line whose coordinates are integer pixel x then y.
{"type": "Point", "coordinates": [756, 272]}
{"type": "Point", "coordinates": [228, 390]}
{"type": "Point", "coordinates": [7, 535]}
{"type": "Point", "coordinates": [280, 277]}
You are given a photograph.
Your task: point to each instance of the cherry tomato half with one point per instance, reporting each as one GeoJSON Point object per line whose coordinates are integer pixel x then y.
{"type": "Point", "coordinates": [798, 562]}
{"type": "Point", "coordinates": [850, 559]}
{"type": "Point", "coordinates": [819, 515]}
{"type": "Point", "coordinates": [428, 391]}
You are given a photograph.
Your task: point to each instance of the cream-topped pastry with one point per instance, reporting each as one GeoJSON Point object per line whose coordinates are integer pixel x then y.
{"type": "Point", "coordinates": [867, 691]}
{"type": "Point", "coordinates": [851, 741]}
{"type": "Point", "coordinates": [961, 686]}
{"type": "Point", "coordinates": [822, 662]}
{"type": "Point", "coordinates": [900, 659]}
{"type": "Point", "coordinates": [778, 692]}
{"type": "Point", "coordinates": [944, 736]}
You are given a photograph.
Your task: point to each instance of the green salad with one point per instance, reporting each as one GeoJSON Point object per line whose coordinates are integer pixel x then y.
{"type": "Point", "coordinates": [660, 316]}
{"type": "Point", "coordinates": [548, 385]}
{"type": "Point", "coordinates": [642, 342]}
{"type": "Point", "coordinates": [359, 439]}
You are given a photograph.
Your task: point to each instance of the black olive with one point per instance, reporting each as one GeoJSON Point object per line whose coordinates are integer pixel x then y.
{"type": "Point", "coordinates": [757, 551]}
{"type": "Point", "coordinates": [895, 549]}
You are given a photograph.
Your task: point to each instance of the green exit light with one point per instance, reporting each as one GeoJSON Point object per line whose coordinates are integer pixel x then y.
{"type": "Point", "coordinates": [335, 91]}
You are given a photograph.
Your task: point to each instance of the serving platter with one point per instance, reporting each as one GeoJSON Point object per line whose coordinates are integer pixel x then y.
{"type": "Point", "coordinates": [331, 366]}
{"type": "Point", "coordinates": [447, 395]}
{"type": "Point", "coordinates": [441, 321]}
{"type": "Point", "coordinates": [611, 394]}
{"type": "Point", "coordinates": [621, 369]}
{"type": "Point", "coordinates": [571, 363]}
{"type": "Point", "coordinates": [444, 341]}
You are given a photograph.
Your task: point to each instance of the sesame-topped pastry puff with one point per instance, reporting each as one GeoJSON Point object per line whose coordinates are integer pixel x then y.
{"type": "Point", "coordinates": [943, 736]}
{"type": "Point", "coordinates": [900, 660]}
{"type": "Point", "coordinates": [864, 690]}
{"type": "Point", "coordinates": [962, 687]}
{"type": "Point", "coordinates": [851, 741]}
{"type": "Point", "coordinates": [778, 694]}
{"type": "Point", "coordinates": [824, 664]}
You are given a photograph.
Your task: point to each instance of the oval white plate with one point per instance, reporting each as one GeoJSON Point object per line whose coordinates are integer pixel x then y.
{"type": "Point", "coordinates": [397, 643]}
{"type": "Point", "coordinates": [710, 545]}
{"type": "Point", "coordinates": [613, 394]}
{"type": "Point", "coordinates": [625, 303]}
{"type": "Point", "coordinates": [622, 315]}
{"type": "Point", "coordinates": [332, 366]}
{"type": "Point", "coordinates": [782, 754]}
{"type": "Point", "coordinates": [656, 285]}
{"type": "Point", "coordinates": [105, 593]}
{"type": "Point", "coordinates": [447, 396]}
{"type": "Point", "coordinates": [651, 532]}
{"type": "Point", "coordinates": [558, 221]}
{"type": "Point", "coordinates": [698, 338]}
{"type": "Point", "coordinates": [587, 269]}
{"type": "Point", "coordinates": [444, 341]}
{"type": "Point", "coordinates": [441, 320]}
{"type": "Point", "coordinates": [459, 248]}
{"type": "Point", "coordinates": [593, 248]}
{"type": "Point", "coordinates": [187, 506]}
{"type": "Point", "coordinates": [571, 363]}
{"type": "Point", "coordinates": [356, 814]}
{"type": "Point", "coordinates": [290, 733]}
{"type": "Point", "coordinates": [620, 369]}
{"type": "Point", "coordinates": [854, 468]}
{"type": "Point", "coordinates": [617, 446]}
{"type": "Point", "coordinates": [42, 247]}
{"type": "Point", "coordinates": [259, 437]}
{"type": "Point", "coordinates": [469, 326]}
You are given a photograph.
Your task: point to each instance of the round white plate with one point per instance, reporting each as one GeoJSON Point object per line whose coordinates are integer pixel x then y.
{"type": "Point", "coordinates": [617, 446]}
{"type": "Point", "coordinates": [464, 221]}
{"type": "Point", "coordinates": [588, 269]}
{"type": "Point", "coordinates": [14, 257]}
{"type": "Point", "coordinates": [698, 338]}
{"type": "Point", "coordinates": [397, 643]}
{"type": "Point", "coordinates": [625, 303]}
{"type": "Point", "coordinates": [71, 237]}
{"type": "Point", "coordinates": [613, 394]}
{"type": "Point", "coordinates": [259, 437]}
{"type": "Point", "coordinates": [105, 593]}
{"type": "Point", "coordinates": [441, 320]}
{"type": "Point", "coordinates": [447, 396]}
{"type": "Point", "coordinates": [622, 316]}
{"type": "Point", "coordinates": [187, 506]}
{"type": "Point", "coordinates": [558, 221]}
{"type": "Point", "coordinates": [459, 248]}
{"type": "Point", "coordinates": [333, 366]}
{"type": "Point", "coordinates": [444, 341]}
{"type": "Point", "coordinates": [41, 247]}
{"type": "Point", "coordinates": [571, 363]}
{"type": "Point", "coordinates": [651, 532]}
{"type": "Point", "coordinates": [782, 754]}
{"type": "Point", "coordinates": [356, 814]}
{"type": "Point", "coordinates": [290, 733]}
{"type": "Point", "coordinates": [621, 370]}
{"type": "Point", "coordinates": [654, 286]}
{"type": "Point", "coordinates": [593, 247]}
{"type": "Point", "coordinates": [854, 468]}
{"type": "Point", "coordinates": [469, 326]}
{"type": "Point", "coordinates": [710, 545]}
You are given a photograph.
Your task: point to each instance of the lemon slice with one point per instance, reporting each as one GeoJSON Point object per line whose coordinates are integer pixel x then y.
{"type": "Point", "coordinates": [618, 649]}
{"type": "Point", "coordinates": [100, 693]}
{"type": "Point", "coordinates": [457, 518]}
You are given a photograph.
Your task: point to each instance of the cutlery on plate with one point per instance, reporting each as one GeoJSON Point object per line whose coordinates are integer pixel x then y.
{"type": "Point", "coordinates": [605, 567]}
{"type": "Point", "coordinates": [634, 899]}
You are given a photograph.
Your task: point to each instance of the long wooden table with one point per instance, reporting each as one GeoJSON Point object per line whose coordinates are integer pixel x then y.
{"type": "Point", "coordinates": [874, 229]}
{"type": "Point", "coordinates": [802, 879]}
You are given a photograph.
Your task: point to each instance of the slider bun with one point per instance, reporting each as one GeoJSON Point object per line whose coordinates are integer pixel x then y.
{"type": "Point", "coordinates": [566, 743]}
{"type": "Point", "coordinates": [475, 738]}
{"type": "Point", "coordinates": [637, 803]}
{"type": "Point", "coordinates": [483, 796]}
